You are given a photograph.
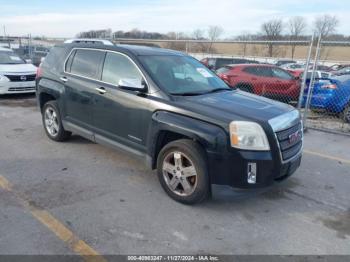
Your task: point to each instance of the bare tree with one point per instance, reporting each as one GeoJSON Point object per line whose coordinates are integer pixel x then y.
{"type": "Point", "coordinates": [176, 36]}
{"type": "Point", "coordinates": [272, 31]}
{"type": "Point", "coordinates": [198, 34]}
{"type": "Point", "coordinates": [244, 37]}
{"type": "Point", "coordinates": [325, 25]}
{"type": "Point", "coordinates": [296, 26]}
{"type": "Point", "coordinates": [214, 32]}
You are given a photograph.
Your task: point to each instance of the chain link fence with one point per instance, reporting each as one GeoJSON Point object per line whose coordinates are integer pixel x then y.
{"type": "Point", "coordinates": [313, 76]}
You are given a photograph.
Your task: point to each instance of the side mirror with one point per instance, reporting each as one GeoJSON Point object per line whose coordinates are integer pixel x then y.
{"type": "Point", "coordinates": [132, 84]}
{"type": "Point", "coordinates": [42, 59]}
{"type": "Point", "coordinates": [29, 61]}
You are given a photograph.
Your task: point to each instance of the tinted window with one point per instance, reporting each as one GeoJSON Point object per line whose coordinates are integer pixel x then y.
{"type": "Point", "coordinates": [250, 70]}
{"type": "Point", "coordinates": [87, 63]}
{"type": "Point", "coordinates": [222, 62]}
{"type": "Point", "coordinates": [281, 74]}
{"type": "Point", "coordinates": [258, 71]}
{"type": "Point", "coordinates": [118, 67]}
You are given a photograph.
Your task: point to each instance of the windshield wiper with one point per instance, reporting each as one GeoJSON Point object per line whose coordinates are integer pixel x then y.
{"type": "Point", "coordinates": [202, 93]}
{"type": "Point", "coordinates": [218, 90]}
{"type": "Point", "coordinates": [187, 94]}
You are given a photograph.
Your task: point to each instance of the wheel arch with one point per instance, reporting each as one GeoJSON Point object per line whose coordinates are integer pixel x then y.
{"type": "Point", "coordinates": [167, 127]}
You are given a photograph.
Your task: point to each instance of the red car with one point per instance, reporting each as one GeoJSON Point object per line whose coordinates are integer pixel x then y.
{"type": "Point", "coordinates": [265, 80]}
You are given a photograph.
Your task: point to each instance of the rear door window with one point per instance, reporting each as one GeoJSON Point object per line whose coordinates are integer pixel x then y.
{"type": "Point", "coordinates": [279, 73]}
{"type": "Point", "coordinates": [87, 63]}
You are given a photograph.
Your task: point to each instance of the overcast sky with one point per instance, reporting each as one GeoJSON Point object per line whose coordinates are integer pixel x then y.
{"type": "Point", "coordinates": [63, 18]}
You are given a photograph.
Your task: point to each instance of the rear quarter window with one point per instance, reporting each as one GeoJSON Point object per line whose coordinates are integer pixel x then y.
{"type": "Point", "coordinates": [87, 63]}
{"type": "Point", "coordinates": [55, 58]}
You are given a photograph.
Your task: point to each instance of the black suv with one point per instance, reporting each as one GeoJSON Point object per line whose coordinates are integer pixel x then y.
{"type": "Point", "coordinates": [170, 110]}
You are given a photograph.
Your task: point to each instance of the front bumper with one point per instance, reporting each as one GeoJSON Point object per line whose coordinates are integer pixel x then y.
{"type": "Point", "coordinates": [232, 170]}
{"type": "Point", "coordinates": [17, 87]}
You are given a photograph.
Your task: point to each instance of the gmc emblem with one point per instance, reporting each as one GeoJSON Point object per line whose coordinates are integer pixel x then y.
{"type": "Point", "coordinates": [294, 137]}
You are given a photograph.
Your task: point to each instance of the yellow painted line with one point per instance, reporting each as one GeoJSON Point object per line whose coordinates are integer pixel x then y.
{"type": "Point", "coordinates": [346, 161]}
{"type": "Point", "coordinates": [61, 231]}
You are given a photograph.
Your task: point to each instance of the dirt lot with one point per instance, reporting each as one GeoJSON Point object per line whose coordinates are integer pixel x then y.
{"type": "Point", "coordinates": [62, 198]}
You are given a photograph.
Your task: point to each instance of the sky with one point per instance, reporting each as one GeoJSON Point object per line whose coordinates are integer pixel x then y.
{"type": "Point", "coordinates": [66, 18]}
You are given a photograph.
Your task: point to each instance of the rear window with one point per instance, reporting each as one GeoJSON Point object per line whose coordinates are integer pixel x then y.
{"type": "Point", "coordinates": [53, 56]}
{"type": "Point", "coordinates": [223, 61]}
{"type": "Point", "coordinates": [87, 63]}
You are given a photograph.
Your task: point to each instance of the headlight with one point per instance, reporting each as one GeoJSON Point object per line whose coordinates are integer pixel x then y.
{"type": "Point", "coordinates": [3, 78]}
{"type": "Point", "coordinates": [248, 135]}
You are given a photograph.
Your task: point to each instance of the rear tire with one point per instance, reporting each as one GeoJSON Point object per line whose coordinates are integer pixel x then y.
{"type": "Point", "coordinates": [346, 114]}
{"type": "Point", "coordinates": [52, 122]}
{"type": "Point", "coordinates": [182, 171]}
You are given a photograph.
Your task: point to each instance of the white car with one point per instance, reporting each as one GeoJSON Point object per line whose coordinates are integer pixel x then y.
{"type": "Point", "coordinates": [16, 76]}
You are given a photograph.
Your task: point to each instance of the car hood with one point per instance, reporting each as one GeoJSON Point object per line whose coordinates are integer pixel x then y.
{"type": "Point", "coordinates": [235, 105]}
{"type": "Point", "coordinates": [19, 68]}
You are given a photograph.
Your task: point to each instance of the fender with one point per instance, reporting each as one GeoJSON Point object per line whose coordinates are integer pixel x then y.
{"type": "Point", "coordinates": [213, 138]}
{"type": "Point", "coordinates": [53, 88]}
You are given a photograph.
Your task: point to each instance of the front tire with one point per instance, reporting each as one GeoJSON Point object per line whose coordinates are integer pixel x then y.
{"type": "Point", "coordinates": [182, 171]}
{"type": "Point", "coordinates": [52, 122]}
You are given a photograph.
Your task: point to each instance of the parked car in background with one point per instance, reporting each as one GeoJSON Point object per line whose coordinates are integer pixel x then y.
{"type": "Point", "coordinates": [293, 66]}
{"type": "Point", "coordinates": [266, 80]}
{"type": "Point", "coordinates": [343, 71]}
{"type": "Point", "coordinates": [283, 61]}
{"type": "Point", "coordinates": [337, 67]}
{"type": "Point", "coordinates": [331, 95]}
{"type": "Point", "coordinates": [318, 74]}
{"type": "Point", "coordinates": [215, 63]}
{"type": "Point", "coordinates": [34, 53]}
{"type": "Point", "coordinates": [321, 68]}
{"type": "Point", "coordinates": [16, 76]}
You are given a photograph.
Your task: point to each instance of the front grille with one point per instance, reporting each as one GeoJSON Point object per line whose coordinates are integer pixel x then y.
{"type": "Point", "coordinates": [21, 78]}
{"type": "Point", "coordinates": [19, 89]}
{"type": "Point", "coordinates": [290, 141]}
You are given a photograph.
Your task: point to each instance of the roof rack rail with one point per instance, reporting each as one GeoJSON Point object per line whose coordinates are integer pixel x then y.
{"type": "Point", "coordinates": [88, 41]}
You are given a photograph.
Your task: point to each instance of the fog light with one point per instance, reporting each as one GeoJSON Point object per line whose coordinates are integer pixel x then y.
{"type": "Point", "coordinates": [251, 176]}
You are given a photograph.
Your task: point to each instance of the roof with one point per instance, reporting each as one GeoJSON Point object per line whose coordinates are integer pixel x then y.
{"type": "Point", "coordinates": [137, 50]}
{"type": "Point", "coordinates": [250, 65]}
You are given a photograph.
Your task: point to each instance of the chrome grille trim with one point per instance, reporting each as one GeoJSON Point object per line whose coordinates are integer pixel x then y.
{"type": "Point", "coordinates": [283, 126]}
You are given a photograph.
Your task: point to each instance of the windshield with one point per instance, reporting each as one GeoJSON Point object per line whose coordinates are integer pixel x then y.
{"type": "Point", "coordinates": [181, 75]}
{"type": "Point", "coordinates": [8, 57]}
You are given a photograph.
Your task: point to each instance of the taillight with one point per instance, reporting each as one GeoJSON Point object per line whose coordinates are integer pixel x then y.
{"type": "Point", "coordinates": [225, 77]}
{"type": "Point", "coordinates": [39, 72]}
{"type": "Point", "coordinates": [330, 86]}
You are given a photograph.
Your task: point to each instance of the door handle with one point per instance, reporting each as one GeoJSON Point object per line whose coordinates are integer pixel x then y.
{"type": "Point", "coordinates": [64, 79]}
{"type": "Point", "coordinates": [101, 90]}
